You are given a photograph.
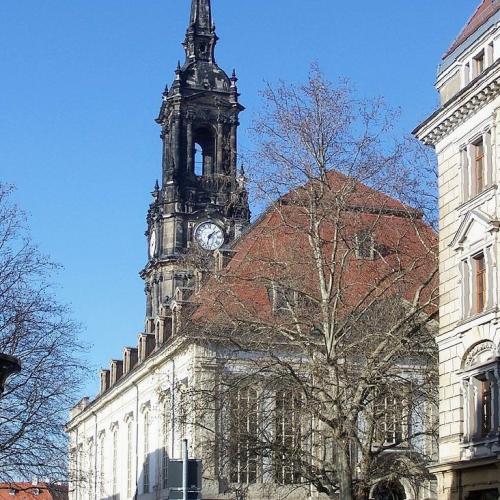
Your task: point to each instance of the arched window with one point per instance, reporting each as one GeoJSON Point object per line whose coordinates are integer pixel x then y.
{"type": "Point", "coordinates": [145, 471]}
{"type": "Point", "coordinates": [167, 413]}
{"type": "Point", "coordinates": [204, 152]}
{"type": "Point", "coordinates": [102, 464]}
{"type": "Point", "coordinates": [129, 459]}
{"type": "Point", "coordinates": [90, 467]}
{"type": "Point", "coordinates": [115, 462]}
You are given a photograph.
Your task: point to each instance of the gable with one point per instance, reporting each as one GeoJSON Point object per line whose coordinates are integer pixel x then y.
{"type": "Point", "coordinates": [475, 227]}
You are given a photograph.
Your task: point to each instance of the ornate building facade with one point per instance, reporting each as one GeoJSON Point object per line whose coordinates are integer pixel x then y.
{"type": "Point", "coordinates": [465, 134]}
{"type": "Point", "coordinates": [121, 441]}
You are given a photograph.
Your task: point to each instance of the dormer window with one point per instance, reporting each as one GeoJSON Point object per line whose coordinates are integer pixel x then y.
{"type": "Point", "coordinates": [364, 244]}
{"type": "Point", "coordinates": [479, 63]}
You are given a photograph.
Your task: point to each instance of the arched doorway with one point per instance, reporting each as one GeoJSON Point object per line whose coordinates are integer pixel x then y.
{"type": "Point", "coordinates": [389, 490]}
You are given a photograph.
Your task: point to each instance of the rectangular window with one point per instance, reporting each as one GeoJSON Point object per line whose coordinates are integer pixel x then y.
{"type": "Point", "coordinates": [479, 63]}
{"type": "Point", "coordinates": [479, 166]}
{"type": "Point", "coordinates": [480, 282]}
{"type": "Point", "coordinates": [391, 416]}
{"type": "Point", "coordinates": [288, 438]}
{"type": "Point", "coordinates": [243, 430]}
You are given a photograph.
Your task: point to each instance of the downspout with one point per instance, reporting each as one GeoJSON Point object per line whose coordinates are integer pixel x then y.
{"type": "Point", "coordinates": [136, 440]}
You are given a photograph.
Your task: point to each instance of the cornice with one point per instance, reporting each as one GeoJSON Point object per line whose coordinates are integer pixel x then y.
{"type": "Point", "coordinates": [467, 102]}
{"type": "Point", "coordinates": [141, 371]}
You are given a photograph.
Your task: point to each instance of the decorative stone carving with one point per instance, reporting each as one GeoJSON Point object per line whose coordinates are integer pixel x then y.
{"type": "Point", "coordinates": [481, 353]}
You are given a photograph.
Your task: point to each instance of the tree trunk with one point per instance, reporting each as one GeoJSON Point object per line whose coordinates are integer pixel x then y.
{"type": "Point", "coordinates": [344, 474]}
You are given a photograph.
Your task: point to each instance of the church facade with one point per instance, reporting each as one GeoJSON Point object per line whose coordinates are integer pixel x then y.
{"type": "Point", "coordinates": [122, 441]}
{"type": "Point", "coordinates": [465, 133]}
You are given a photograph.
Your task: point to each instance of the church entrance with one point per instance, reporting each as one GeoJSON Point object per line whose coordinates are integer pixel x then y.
{"type": "Point", "coordinates": [389, 490]}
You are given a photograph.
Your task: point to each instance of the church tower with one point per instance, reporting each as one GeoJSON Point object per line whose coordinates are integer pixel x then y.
{"type": "Point", "coordinates": [202, 202]}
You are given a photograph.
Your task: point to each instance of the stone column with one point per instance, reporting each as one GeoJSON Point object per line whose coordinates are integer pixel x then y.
{"type": "Point", "coordinates": [467, 415]}
{"type": "Point", "coordinates": [493, 378]}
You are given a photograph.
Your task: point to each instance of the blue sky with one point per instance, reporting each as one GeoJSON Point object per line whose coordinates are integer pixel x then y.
{"type": "Point", "coordinates": [81, 84]}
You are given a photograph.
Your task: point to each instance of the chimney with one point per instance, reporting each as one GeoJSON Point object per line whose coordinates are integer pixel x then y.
{"type": "Point", "coordinates": [105, 376]}
{"type": "Point", "coordinates": [116, 371]}
{"type": "Point", "coordinates": [164, 330]}
{"type": "Point", "coordinates": [130, 356]}
{"type": "Point", "coordinates": [150, 325]}
{"type": "Point", "coordinates": [146, 345]}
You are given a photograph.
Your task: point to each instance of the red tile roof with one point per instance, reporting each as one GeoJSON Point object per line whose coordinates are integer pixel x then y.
{"type": "Point", "coordinates": [277, 249]}
{"type": "Point", "coordinates": [485, 11]}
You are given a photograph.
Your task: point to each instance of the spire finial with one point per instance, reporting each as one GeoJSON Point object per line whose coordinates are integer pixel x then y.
{"type": "Point", "coordinates": [201, 15]}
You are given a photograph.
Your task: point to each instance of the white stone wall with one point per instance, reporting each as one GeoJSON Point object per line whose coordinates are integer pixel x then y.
{"type": "Point", "coordinates": [142, 392]}
{"type": "Point", "coordinates": [468, 225]}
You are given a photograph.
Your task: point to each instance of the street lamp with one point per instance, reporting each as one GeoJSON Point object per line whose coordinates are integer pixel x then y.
{"type": "Point", "coordinates": [8, 366]}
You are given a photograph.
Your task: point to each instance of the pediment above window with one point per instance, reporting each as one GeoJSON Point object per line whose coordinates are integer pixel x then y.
{"type": "Point", "coordinates": [476, 227]}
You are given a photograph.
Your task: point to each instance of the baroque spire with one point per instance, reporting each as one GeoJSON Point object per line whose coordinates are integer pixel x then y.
{"type": "Point", "coordinates": [200, 36]}
{"type": "Point", "coordinates": [201, 16]}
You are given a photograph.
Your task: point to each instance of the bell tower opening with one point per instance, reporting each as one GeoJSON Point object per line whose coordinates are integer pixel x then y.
{"type": "Point", "coordinates": [204, 153]}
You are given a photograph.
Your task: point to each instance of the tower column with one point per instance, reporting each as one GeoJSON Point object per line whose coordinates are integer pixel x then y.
{"type": "Point", "coordinates": [220, 138]}
{"type": "Point", "coordinates": [234, 139]}
{"type": "Point", "coordinates": [190, 146]}
{"type": "Point", "coordinates": [177, 141]}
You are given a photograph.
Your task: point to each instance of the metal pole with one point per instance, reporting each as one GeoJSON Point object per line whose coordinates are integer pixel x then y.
{"type": "Point", "coordinates": [185, 459]}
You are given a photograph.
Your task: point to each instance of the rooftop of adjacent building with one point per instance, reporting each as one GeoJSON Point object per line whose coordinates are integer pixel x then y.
{"type": "Point", "coordinates": [483, 13]}
{"type": "Point", "coordinates": [33, 491]}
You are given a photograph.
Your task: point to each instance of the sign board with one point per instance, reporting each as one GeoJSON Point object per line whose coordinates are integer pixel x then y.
{"type": "Point", "coordinates": [174, 479]}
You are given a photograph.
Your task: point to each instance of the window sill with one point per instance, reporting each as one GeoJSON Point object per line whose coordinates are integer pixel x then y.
{"type": "Point", "coordinates": [477, 199]}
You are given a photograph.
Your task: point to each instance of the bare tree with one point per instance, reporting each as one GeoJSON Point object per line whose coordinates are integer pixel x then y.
{"type": "Point", "coordinates": [37, 329]}
{"type": "Point", "coordinates": [322, 323]}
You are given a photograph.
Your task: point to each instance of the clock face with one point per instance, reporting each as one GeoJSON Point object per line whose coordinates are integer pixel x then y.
{"type": "Point", "coordinates": [209, 236]}
{"type": "Point", "coordinates": [152, 243]}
